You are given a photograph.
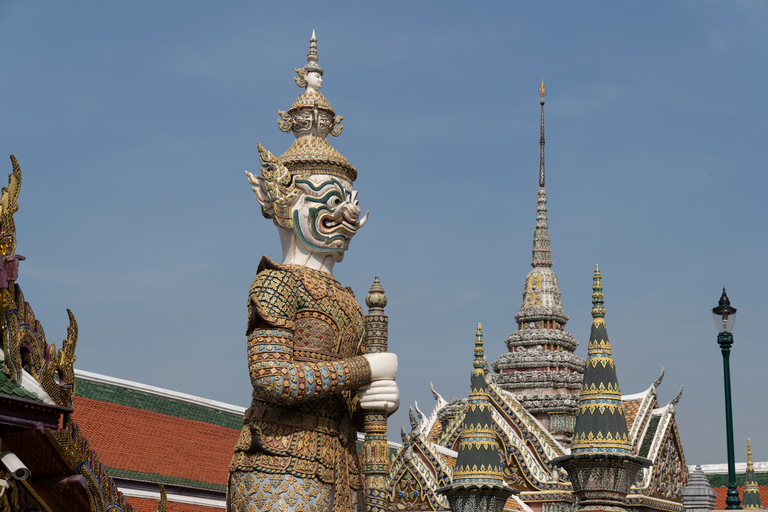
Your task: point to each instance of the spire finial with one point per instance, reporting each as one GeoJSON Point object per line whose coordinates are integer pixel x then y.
{"type": "Point", "coordinates": [542, 93]}
{"type": "Point", "coordinates": [478, 363]}
{"type": "Point", "coordinates": [312, 55]}
{"type": "Point", "coordinates": [541, 244]}
{"type": "Point", "coordinates": [598, 307]}
{"type": "Point", "coordinates": [749, 455]}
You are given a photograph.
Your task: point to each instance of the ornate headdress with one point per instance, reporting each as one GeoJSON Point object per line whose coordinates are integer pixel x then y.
{"type": "Point", "coordinates": [311, 119]}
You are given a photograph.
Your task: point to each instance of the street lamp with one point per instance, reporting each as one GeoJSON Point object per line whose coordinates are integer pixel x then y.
{"type": "Point", "coordinates": [725, 318]}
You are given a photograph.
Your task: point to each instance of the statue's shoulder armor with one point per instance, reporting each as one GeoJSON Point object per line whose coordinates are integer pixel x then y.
{"type": "Point", "coordinates": [275, 293]}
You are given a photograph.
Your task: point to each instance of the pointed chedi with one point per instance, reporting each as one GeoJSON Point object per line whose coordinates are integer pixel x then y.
{"type": "Point", "coordinates": [541, 369]}
{"type": "Point", "coordinates": [751, 499]}
{"type": "Point", "coordinates": [478, 482]}
{"type": "Point", "coordinates": [602, 466]}
{"type": "Point", "coordinates": [600, 422]}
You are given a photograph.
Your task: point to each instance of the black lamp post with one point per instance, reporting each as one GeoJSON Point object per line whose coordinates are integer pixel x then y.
{"type": "Point", "coordinates": [725, 318]}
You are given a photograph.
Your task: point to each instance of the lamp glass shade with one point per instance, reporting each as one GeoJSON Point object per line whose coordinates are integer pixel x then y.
{"type": "Point", "coordinates": [724, 322]}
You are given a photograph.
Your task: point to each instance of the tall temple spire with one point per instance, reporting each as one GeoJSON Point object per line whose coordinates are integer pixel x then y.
{"type": "Point", "coordinates": [600, 423]}
{"type": "Point", "coordinates": [751, 490]}
{"type": "Point", "coordinates": [542, 93]}
{"type": "Point", "coordinates": [541, 243]}
{"type": "Point", "coordinates": [478, 482]}
{"type": "Point", "coordinates": [541, 369]}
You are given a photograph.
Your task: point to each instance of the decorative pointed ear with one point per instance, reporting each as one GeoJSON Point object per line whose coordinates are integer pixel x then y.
{"type": "Point", "coordinates": [274, 189]}
{"type": "Point", "coordinates": [300, 80]}
{"type": "Point", "coordinates": [262, 195]}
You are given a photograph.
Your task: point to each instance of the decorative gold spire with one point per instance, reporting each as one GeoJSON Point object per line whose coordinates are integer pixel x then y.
{"type": "Point", "coordinates": [598, 306]}
{"type": "Point", "coordinates": [477, 364]}
{"type": "Point", "coordinates": [751, 489]}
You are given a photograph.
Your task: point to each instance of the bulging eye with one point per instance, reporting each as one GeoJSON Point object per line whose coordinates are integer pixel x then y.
{"type": "Point", "coordinates": [335, 201]}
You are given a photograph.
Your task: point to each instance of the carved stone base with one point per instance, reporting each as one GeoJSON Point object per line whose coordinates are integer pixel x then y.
{"type": "Point", "coordinates": [601, 481]}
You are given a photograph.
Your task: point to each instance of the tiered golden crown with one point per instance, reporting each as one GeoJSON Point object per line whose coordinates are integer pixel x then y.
{"type": "Point", "coordinates": [311, 119]}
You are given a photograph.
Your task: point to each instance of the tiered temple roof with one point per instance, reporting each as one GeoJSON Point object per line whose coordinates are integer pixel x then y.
{"type": "Point", "coordinates": [527, 448]}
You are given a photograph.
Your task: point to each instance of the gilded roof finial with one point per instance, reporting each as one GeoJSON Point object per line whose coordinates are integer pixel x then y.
{"type": "Point", "coordinates": [749, 455]}
{"type": "Point", "coordinates": [598, 307]}
{"type": "Point", "coordinates": [478, 363]}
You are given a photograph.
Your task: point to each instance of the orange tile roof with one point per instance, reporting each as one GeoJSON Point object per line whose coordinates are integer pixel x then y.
{"type": "Point", "coordinates": [133, 439]}
{"type": "Point", "coordinates": [630, 411]}
{"type": "Point", "coordinates": [435, 432]}
{"type": "Point", "coordinates": [148, 505]}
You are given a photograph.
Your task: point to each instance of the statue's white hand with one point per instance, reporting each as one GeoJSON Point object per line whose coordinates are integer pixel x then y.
{"type": "Point", "coordinates": [383, 365]}
{"type": "Point", "coordinates": [380, 395]}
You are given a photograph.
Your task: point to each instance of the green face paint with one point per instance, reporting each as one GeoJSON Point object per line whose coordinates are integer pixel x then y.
{"type": "Point", "coordinates": [325, 216]}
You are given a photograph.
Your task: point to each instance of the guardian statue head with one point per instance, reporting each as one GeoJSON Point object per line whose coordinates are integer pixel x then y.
{"type": "Point", "coordinates": [307, 191]}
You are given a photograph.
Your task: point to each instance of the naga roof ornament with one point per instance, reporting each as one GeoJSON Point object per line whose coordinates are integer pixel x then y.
{"type": "Point", "coordinates": [541, 369]}
{"type": "Point", "coordinates": [600, 423]}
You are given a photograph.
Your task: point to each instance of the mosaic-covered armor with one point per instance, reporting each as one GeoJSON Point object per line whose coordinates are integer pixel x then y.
{"type": "Point", "coordinates": [304, 333]}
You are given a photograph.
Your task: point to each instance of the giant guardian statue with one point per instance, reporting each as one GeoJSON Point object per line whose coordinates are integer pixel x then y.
{"type": "Point", "coordinates": [314, 378]}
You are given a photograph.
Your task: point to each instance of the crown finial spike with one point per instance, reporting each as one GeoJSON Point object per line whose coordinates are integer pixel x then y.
{"type": "Point", "coordinates": [542, 89]}
{"type": "Point", "coordinates": [312, 55]}
{"type": "Point", "coordinates": [598, 306]}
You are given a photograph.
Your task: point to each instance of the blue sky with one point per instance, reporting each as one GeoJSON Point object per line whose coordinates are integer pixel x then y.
{"type": "Point", "coordinates": [133, 123]}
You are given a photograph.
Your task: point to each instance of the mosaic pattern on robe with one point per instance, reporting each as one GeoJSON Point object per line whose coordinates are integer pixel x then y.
{"type": "Point", "coordinates": [305, 332]}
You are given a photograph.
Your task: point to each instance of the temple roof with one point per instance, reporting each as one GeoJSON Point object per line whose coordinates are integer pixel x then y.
{"type": "Point", "coordinates": [10, 388]}
{"type": "Point", "coordinates": [182, 441]}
